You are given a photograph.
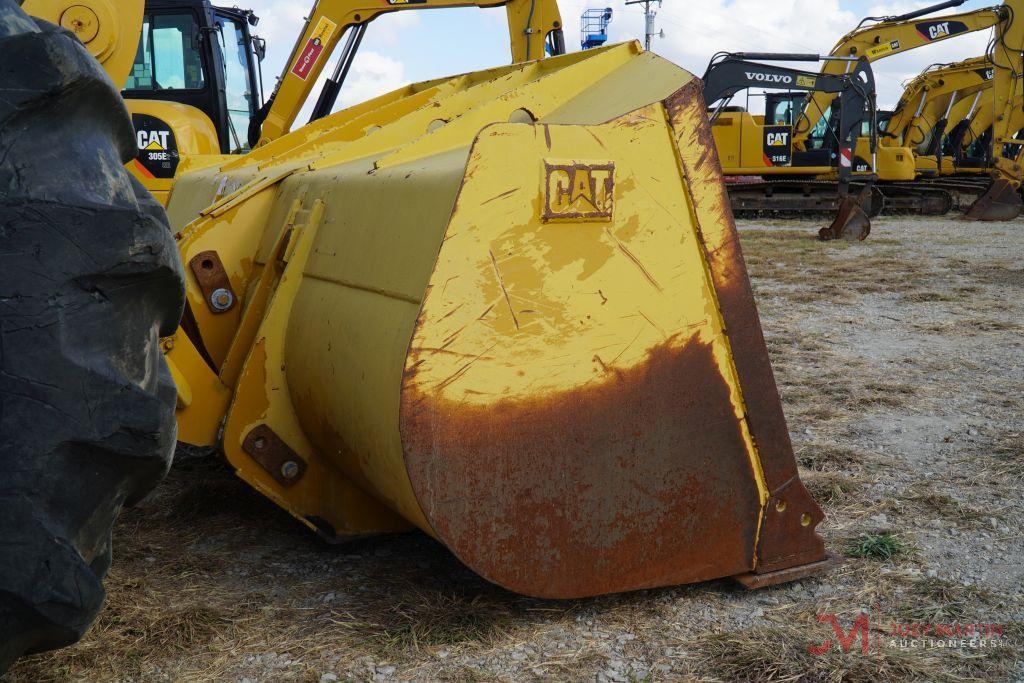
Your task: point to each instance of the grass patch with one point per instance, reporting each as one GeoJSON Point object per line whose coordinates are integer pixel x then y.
{"type": "Point", "coordinates": [830, 457]}
{"type": "Point", "coordinates": [1008, 453]}
{"type": "Point", "coordinates": [780, 653]}
{"type": "Point", "coordinates": [880, 547]}
{"type": "Point", "coordinates": [831, 489]}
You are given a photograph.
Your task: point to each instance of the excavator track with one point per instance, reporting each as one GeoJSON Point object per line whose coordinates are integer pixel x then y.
{"type": "Point", "coordinates": [789, 198]}
{"type": "Point", "coordinates": [919, 199]}
{"type": "Point", "coordinates": [964, 190]}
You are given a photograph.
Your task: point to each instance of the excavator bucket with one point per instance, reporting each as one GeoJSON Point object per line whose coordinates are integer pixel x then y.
{"type": "Point", "coordinates": [852, 222]}
{"type": "Point", "coordinates": [1001, 202]}
{"type": "Point", "coordinates": [508, 308]}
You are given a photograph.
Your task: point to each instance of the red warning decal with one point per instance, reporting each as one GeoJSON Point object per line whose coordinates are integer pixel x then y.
{"type": "Point", "coordinates": [310, 54]}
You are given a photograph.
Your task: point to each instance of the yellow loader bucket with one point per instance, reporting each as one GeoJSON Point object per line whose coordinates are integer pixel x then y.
{"type": "Point", "coordinates": [508, 308]}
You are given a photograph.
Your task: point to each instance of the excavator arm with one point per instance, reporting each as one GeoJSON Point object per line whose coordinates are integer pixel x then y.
{"type": "Point", "coordinates": [732, 73]}
{"type": "Point", "coordinates": [880, 37]}
{"type": "Point", "coordinates": [534, 25]}
{"type": "Point", "coordinates": [929, 100]}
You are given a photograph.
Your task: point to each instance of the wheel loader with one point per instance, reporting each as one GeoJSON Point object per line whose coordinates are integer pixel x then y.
{"type": "Point", "coordinates": [508, 308]}
{"type": "Point", "coordinates": [880, 37]}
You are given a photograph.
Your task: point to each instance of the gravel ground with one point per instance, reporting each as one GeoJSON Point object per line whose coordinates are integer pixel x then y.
{"type": "Point", "coordinates": [901, 365]}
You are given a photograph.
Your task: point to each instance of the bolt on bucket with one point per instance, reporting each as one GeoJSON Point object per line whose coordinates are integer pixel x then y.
{"type": "Point", "coordinates": [509, 309]}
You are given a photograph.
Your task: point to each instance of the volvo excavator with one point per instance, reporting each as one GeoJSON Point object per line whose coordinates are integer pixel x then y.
{"type": "Point", "coordinates": [880, 37]}
{"type": "Point", "coordinates": [753, 147]}
{"type": "Point", "coordinates": [507, 308]}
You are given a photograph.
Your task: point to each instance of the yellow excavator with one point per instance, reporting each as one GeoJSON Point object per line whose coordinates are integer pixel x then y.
{"type": "Point", "coordinates": [508, 308]}
{"type": "Point", "coordinates": [194, 85]}
{"type": "Point", "coordinates": [880, 37]}
{"type": "Point", "coordinates": [189, 73]}
{"type": "Point", "coordinates": [935, 117]}
{"type": "Point", "coordinates": [930, 103]}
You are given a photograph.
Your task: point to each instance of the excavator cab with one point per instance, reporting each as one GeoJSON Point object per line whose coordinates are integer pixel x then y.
{"type": "Point", "coordinates": [194, 87]}
{"type": "Point", "coordinates": [201, 56]}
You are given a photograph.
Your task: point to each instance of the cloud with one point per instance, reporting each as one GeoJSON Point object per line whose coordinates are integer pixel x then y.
{"type": "Point", "coordinates": [372, 74]}
{"type": "Point", "coordinates": [400, 43]}
{"type": "Point", "coordinates": [697, 29]}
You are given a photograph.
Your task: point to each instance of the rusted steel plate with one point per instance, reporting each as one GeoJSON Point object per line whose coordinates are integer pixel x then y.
{"type": "Point", "coordinates": [639, 482]}
{"type": "Point", "coordinates": [785, 540]}
{"type": "Point", "coordinates": [274, 455]}
{"type": "Point", "coordinates": [753, 581]}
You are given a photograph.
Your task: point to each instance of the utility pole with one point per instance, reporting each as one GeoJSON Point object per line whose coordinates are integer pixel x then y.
{"type": "Point", "coordinates": [649, 15]}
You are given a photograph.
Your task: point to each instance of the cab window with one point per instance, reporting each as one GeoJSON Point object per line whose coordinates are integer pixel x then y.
{"type": "Point", "coordinates": [779, 111]}
{"type": "Point", "coordinates": [168, 56]}
{"type": "Point", "coordinates": [241, 99]}
{"type": "Point", "coordinates": [816, 138]}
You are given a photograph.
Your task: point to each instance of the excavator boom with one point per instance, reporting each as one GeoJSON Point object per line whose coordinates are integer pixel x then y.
{"type": "Point", "coordinates": [535, 28]}
{"type": "Point", "coordinates": [893, 35]}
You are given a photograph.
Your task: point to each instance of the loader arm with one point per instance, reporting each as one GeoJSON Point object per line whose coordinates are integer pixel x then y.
{"type": "Point", "coordinates": [888, 36]}
{"type": "Point", "coordinates": [109, 30]}
{"type": "Point", "coordinates": [531, 25]}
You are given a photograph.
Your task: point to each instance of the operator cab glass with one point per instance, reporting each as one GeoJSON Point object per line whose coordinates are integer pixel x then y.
{"type": "Point", "coordinates": [204, 57]}
{"type": "Point", "coordinates": [168, 58]}
{"type": "Point", "coordinates": [779, 108]}
{"type": "Point", "coordinates": [240, 84]}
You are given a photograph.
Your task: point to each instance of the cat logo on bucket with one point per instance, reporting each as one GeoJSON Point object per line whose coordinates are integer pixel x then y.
{"type": "Point", "coordinates": [578, 191]}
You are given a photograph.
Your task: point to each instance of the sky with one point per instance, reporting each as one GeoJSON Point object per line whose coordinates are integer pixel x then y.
{"type": "Point", "coordinates": [410, 46]}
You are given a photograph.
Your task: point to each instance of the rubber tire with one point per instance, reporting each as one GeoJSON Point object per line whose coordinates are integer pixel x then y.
{"type": "Point", "coordinates": [89, 281]}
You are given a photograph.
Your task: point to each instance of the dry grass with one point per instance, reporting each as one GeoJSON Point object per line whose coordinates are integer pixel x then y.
{"type": "Point", "coordinates": [212, 582]}
{"type": "Point", "coordinates": [942, 506]}
{"type": "Point", "coordinates": [826, 457]}
{"type": "Point", "coordinates": [939, 601]}
{"type": "Point", "coordinates": [779, 652]}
